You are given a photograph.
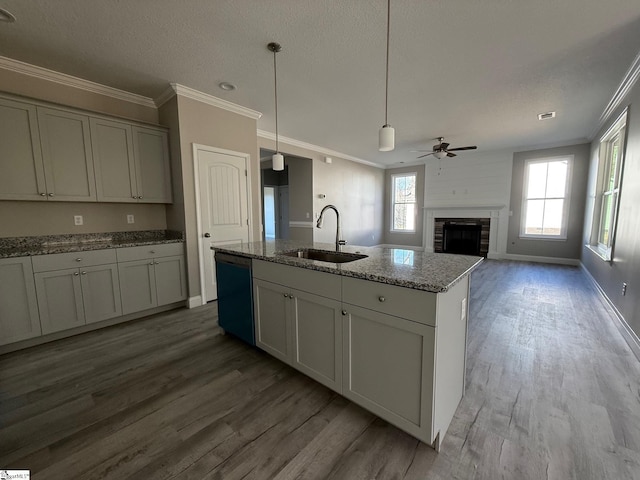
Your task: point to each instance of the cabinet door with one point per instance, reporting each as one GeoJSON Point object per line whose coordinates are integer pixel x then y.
{"type": "Point", "coordinates": [100, 292]}
{"type": "Point", "coordinates": [137, 286]}
{"type": "Point", "coordinates": [112, 147]}
{"type": "Point", "coordinates": [271, 304]}
{"type": "Point", "coordinates": [21, 170]}
{"type": "Point", "coordinates": [59, 300]}
{"type": "Point", "coordinates": [151, 150]}
{"type": "Point", "coordinates": [388, 368]}
{"type": "Point", "coordinates": [19, 318]}
{"type": "Point", "coordinates": [171, 282]}
{"type": "Point", "coordinates": [66, 152]}
{"type": "Point", "coordinates": [317, 338]}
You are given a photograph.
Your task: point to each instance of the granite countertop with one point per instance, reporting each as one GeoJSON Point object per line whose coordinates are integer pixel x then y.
{"type": "Point", "coordinates": [432, 272]}
{"type": "Point", "coordinates": [47, 244]}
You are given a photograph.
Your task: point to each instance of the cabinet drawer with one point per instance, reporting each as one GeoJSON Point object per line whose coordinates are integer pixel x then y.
{"type": "Point", "coordinates": [59, 261]}
{"type": "Point", "coordinates": [312, 281]}
{"type": "Point", "coordinates": [129, 254]}
{"type": "Point", "coordinates": [415, 305]}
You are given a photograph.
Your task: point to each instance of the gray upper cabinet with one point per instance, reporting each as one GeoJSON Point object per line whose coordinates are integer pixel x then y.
{"type": "Point", "coordinates": [151, 152]}
{"type": "Point", "coordinates": [59, 154]}
{"type": "Point", "coordinates": [112, 146]}
{"type": "Point", "coordinates": [131, 162]}
{"type": "Point", "coordinates": [21, 169]}
{"type": "Point", "coordinates": [19, 318]}
{"type": "Point", "coordinates": [66, 154]}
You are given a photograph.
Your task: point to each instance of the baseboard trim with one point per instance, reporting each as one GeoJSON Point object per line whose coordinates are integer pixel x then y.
{"type": "Point", "coordinates": [623, 327]}
{"type": "Point", "coordinates": [574, 262]}
{"type": "Point", "coordinates": [194, 302]}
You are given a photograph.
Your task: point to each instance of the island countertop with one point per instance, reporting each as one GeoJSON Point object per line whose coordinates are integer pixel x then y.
{"type": "Point", "coordinates": [432, 272]}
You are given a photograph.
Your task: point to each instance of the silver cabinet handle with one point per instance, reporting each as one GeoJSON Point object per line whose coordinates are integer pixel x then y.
{"type": "Point", "coordinates": [134, 196]}
{"type": "Point", "coordinates": [43, 194]}
{"type": "Point", "coordinates": [84, 273]}
{"type": "Point", "coordinates": [285, 295]}
{"type": "Point", "coordinates": [76, 273]}
{"type": "Point", "coordinates": [152, 251]}
{"type": "Point", "coordinates": [140, 197]}
{"type": "Point", "coordinates": [150, 263]}
{"type": "Point", "coordinates": [78, 259]}
{"type": "Point", "coordinates": [381, 299]}
{"type": "Point", "coordinates": [51, 194]}
{"type": "Point", "coordinates": [344, 312]}
{"type": "Point", "coordinates": [156, 263]}
{"type": "Point", "coordinates": [207, 235]}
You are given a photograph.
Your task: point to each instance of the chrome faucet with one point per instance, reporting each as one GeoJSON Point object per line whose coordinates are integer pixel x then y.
{"type": "Point", "coordinates": [339, 242]}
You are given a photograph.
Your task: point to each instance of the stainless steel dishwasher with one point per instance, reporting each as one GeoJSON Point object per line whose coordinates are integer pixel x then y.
{"type": "Point", "coordinates": [235, 296]}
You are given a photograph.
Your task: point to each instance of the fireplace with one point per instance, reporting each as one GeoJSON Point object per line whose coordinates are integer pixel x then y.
{"type": "Point", "coordinates": [465, 236]}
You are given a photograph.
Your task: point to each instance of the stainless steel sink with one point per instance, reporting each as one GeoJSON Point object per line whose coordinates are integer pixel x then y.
{"type": "Point", "coordinates": [325, 255]}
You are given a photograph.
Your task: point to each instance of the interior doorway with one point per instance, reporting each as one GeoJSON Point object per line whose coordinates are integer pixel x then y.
{"type": "Point", "coordinates": [275, 199]}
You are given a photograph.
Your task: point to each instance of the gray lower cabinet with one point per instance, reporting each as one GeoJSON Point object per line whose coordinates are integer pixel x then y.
{"type": "Point", "coordinates": [388, 368]}
{"type": "Point", "coordinates": [76, 296]}
{"type": "Point", "coordinates": [152, 282]}
{"type": "Point", "coordinates": [300, 329]}
{"type": "Point", "coordinates": [59, 300]}
{"type": "Point", "coordinates": [19, 319]}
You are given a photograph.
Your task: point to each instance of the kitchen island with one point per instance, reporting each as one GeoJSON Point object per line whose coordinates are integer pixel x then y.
{"type": "Point", "coordinates": [387, 331]}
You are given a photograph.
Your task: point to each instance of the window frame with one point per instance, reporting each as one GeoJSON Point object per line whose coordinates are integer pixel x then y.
{"type": "Point", "coordinates": [394, 203]}
{"type": "Point", "coordinates": [617, 130]}
{"type": "Point", "coordinates": [566, 199]}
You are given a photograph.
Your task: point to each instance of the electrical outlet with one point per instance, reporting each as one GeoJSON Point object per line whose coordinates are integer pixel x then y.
{"type": "Point", "coordinates": [78, 220]}
{"type": "Point", "coordinates": [130, 219]}
{"type": "Point", "coordinates": [624, 289]}
{"type": "Point", "coordinates": [463, 313]}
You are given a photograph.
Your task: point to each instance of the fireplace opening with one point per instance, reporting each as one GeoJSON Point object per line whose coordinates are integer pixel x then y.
{"type": "Point", "coordinates": [461, 239]}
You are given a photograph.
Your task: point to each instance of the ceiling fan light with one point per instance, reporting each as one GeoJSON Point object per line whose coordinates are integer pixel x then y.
{"type": "Point", "coordinates": [278, 162]}
{"type": "Point", "coordinates": [386, 138]}
{"type": "Point", "coordinates": [440, 154]}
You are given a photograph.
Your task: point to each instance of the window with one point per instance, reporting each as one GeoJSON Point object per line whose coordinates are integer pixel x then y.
{"type": "Point", "coordinates": [546, 198]}
{"type": "Point", "coordinates": [610, 161]}
{"type": "Point", "coordinates": [403, 208]}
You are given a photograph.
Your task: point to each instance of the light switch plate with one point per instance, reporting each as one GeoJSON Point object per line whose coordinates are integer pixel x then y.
{"type": "Point", "coordinates": [463, 313]}
{"type": "Point", "coordinates": [78, 220]}
{"type": "Point", "coordinates": [130, 219]}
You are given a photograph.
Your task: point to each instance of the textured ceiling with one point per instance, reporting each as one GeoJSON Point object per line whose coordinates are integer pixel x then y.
{"type": "Point", "coordinates": [474, 71]}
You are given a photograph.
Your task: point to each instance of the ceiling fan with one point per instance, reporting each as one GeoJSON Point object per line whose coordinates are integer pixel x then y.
{"type": "Point", "coordinates": [442, 150]}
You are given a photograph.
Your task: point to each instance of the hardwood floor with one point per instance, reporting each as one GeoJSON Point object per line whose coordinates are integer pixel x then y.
{"type": "Point", "coordinates": [553, 392]}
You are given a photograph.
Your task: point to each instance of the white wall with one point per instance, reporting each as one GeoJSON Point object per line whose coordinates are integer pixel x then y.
{"type": "Point", "coordinates": [470, 182]}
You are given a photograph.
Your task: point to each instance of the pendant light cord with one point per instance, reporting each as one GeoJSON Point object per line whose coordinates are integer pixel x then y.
{"type": "Point", "coordinates": [275, 83]}
{"type": "Point", "coordinates": [386, 93]}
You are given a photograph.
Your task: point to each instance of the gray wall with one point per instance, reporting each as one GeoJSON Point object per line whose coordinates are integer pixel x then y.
{"type": "Point", "coordinates": [409, 239]}
{"type": "Point", "coordinates": [357, 190]}
{"type": "Point", "coordinates": [572, 246]}
{"type": "Point", "coordinates": [625, 266]}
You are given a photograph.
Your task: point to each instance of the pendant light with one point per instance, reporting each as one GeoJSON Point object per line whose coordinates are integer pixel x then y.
{"type": "Point", "coordinates": [277, 158]}
{"type": "Point", "coordinates": [387, 134]}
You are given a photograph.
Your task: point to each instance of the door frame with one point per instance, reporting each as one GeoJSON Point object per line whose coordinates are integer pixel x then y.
{"type": "Point", "coordinates": [196, 147]}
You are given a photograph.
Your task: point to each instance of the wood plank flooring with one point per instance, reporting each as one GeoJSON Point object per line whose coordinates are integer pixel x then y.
{"type": "Point", "coordinates": [553, 392]}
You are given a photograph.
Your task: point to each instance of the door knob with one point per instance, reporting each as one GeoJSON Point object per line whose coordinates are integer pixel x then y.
{"type": "Point", "coordinates": [207, 235]}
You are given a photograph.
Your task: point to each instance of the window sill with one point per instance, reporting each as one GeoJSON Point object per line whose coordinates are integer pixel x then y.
{"type": "Point", "coordinates": [542, 237]}
{"type": "Point", "coordinates": [403, 231]}
{"type": "Point", "coordinates": [604, 255]}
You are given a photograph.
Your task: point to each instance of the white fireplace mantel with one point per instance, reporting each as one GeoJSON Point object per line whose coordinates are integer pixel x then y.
{"type": "Point", "coordinates": [497, 214]}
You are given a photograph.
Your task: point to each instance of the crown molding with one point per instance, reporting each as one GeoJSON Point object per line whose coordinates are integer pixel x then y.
{"type": "Point", "coordinates": [177, 89]}
{"type": "Point", "coordinates": [75, 82]}
{"type": "Point", "coordinates": [316, 148]}
{"type": "Point", "coordinates": [628, 82]}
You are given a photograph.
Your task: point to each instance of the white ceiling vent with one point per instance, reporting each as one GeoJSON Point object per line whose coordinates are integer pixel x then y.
{"type": "Point", "coordinates": [546, 116]}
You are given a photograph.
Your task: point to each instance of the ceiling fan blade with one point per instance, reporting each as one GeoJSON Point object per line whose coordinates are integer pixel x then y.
{"type": "Point", "coordinates": [425, 155]}
{"type": "Point", "coordinates": [442, 146]}
{"type": "Point", "coordinates": [451, 154]}
{"type": "Point", "coordinates": [463, 148]}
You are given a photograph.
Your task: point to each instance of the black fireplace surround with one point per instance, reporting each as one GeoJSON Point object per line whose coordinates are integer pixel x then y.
{"type": "Point", "coordinates": [463, 236]}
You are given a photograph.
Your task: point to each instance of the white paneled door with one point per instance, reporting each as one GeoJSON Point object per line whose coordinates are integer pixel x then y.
{"type": "Point", "coordinates": [224, 207]}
